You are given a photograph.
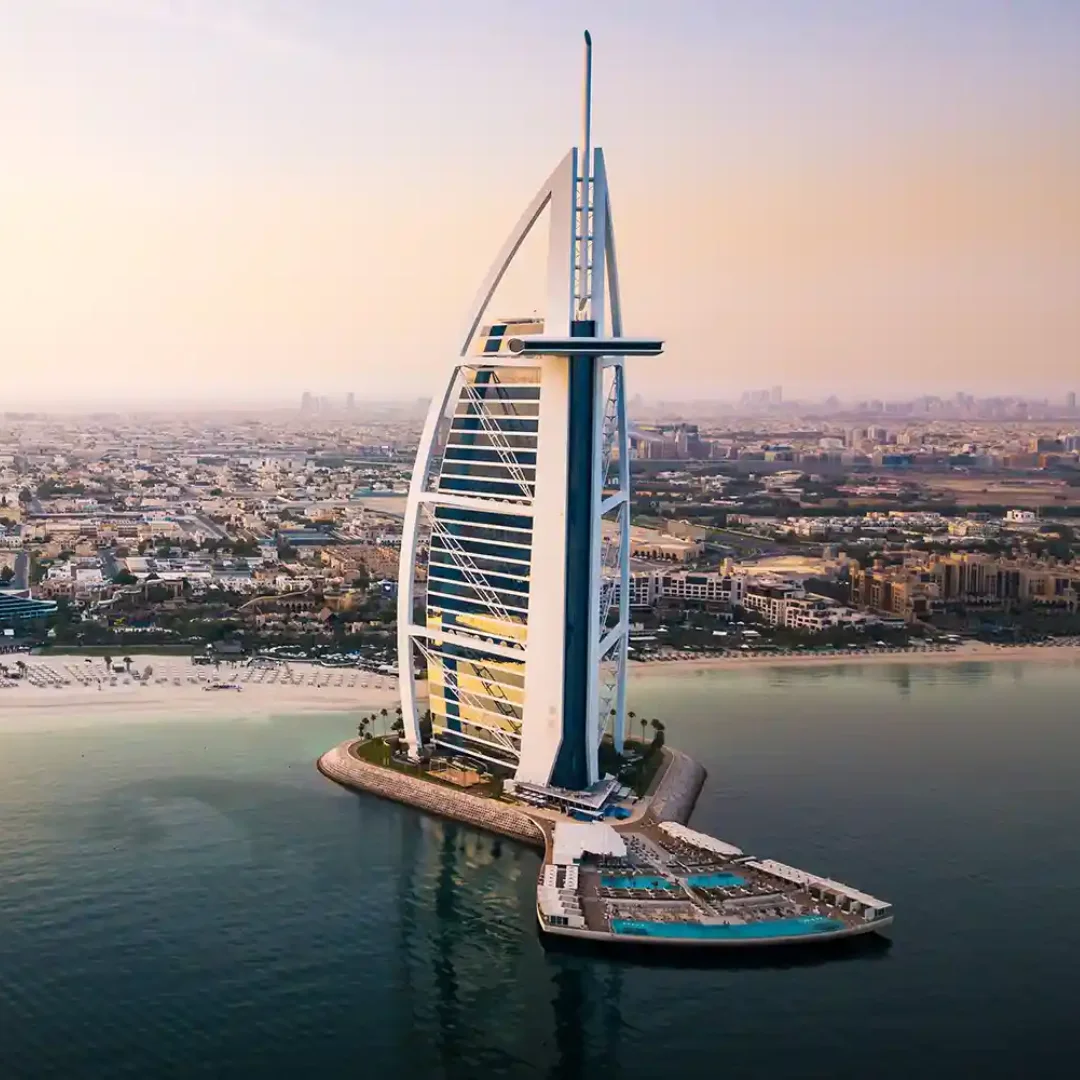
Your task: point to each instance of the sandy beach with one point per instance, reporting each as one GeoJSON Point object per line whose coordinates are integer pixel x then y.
{"type": "Point", "coordinates": [967, 652]}
{"type": "Point", "coordinates": [71, 688]}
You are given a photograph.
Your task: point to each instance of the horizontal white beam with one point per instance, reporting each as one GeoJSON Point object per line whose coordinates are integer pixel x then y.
{"type": "Point", "coordinates": [506, 549]}
{"type": "Point", "coordinates": [506, 477]}
{"type": "Point", "coordinates": [500, 360]}
{"type": "Point", "coordinates": [492, 614]}
{"type": "Point", "coordinates": [469, 502]}
{"type": "Point", "coordinates": [465, 642]}
{"type": "Point", "coordinates": [439, 564]}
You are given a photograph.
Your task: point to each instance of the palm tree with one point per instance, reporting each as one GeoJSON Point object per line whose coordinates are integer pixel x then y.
{"type": "Point", "coordinates": [643, 723]}
{"type": "Point", "coordinates": [384, 714]}
{"type": "Point", "coordinates": [108, 663]}
{"type": "Point", "coordinates": [631, 716]}
{"type": "Point", "coordinates": [127, 664]}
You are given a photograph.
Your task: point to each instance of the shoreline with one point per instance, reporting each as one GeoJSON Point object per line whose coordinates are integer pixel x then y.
{"type": "Point", "coordinates": [343, 767]}
{"type": "Point", "coordinates": [70, 691]}
{"type": "Point", "coordinates": [969, 652]}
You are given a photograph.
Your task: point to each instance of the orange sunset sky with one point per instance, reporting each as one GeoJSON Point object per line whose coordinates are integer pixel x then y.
{"type": "Point", "coordinates": [236, 200]}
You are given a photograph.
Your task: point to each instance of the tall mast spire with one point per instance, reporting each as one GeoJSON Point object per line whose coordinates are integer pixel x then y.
{"type": "Point", "coordinates": [587, 105]}
{"type": "Point", "coordinates": [584, 260]}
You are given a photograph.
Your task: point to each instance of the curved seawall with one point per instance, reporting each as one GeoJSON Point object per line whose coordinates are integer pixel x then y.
{"type": "Point", "coordinates": [672, 797]}
{"type": "Point", "coordinates": [677, 789]}
{"type": "Point", "coordinates": [342, 767]}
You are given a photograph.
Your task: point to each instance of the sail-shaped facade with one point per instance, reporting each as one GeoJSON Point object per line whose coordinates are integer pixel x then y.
{"type": "Point", "coordinates": [516, 533]}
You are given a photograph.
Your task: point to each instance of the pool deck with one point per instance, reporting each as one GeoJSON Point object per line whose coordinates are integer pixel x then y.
{"type": "Point", "coordinates": [708, 900]}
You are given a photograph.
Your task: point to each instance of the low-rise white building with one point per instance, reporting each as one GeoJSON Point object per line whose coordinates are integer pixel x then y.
{"type": "Point", "coordinates": [785, 603]}
{"type": "Point", "coordinates": [649, 587]}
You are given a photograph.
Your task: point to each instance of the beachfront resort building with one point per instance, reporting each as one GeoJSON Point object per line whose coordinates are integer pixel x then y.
{"type": "Point", "coordinates": [922, 584]}
{"type": "Point", "coordinates": [519, 507]}
{"type": "Point", "coordinates": [519, 510]}
{"type": "Point", "coordinates": [710, 588]}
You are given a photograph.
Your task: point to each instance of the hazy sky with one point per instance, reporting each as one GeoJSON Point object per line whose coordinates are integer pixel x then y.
{"type": "Point", "coordinates": [247, 198]}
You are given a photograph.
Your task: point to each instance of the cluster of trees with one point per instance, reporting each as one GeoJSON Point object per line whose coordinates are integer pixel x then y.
{"type": "Point", "coordinates": [242, 548]}
{"type": "Point", "coordinates": [656, 725]}
{"type": "Point", "coordinates": [635, 769]}
{"type": "Point", "coordinates": [379, 723]}
{"type": "Point", "coordinates": [49, 488]}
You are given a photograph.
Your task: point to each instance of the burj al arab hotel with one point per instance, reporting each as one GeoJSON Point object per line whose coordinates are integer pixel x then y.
{"type": "Point", "coordinates": [513, 585]}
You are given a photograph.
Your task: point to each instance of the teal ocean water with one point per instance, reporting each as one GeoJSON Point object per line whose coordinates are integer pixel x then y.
{"type": "Point", "coordinates": [191, 899]}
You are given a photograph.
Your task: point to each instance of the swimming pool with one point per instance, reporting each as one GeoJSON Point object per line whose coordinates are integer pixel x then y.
{"type": "Point", "coordinates": [715, 881]}
{"type": "Point", "coordinates": [636, 882]}
{"type": "Point", "coordinates": [793, 927]}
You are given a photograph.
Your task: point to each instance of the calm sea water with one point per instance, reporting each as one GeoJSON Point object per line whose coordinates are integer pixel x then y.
{"type": "Point", "coordinates": [193, 899]}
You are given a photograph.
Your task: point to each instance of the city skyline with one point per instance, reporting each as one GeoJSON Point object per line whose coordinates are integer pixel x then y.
{"type": "Point", "coordinates": [244, 201]}
{"type": "Point", "coordinates": [823, 405]}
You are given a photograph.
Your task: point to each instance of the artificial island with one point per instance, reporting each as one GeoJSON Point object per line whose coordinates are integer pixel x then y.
{"type": "Point", "coordinates": [513, 606]}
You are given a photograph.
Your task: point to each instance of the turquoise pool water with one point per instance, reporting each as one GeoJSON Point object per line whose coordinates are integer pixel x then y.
{"type": "Point", "coordinates": [793, 927]}
{"type": "Point", "coordinates": [636, 882]}
{"type": "Point", "coordinates": [715, 881]}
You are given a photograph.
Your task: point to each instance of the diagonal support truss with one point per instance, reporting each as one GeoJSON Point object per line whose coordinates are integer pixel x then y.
{"type": "Point", "coordinates": [507, 740]}
{"type": "Point", "coordinates": [495, 690]}
{"type": "Point", "coordinates": [608, 689]}
{"type": "Point", "coordinates": [473, 574]}
{"type": "Point", "coordinates": [498, 440]}
{"type": "Point", "coordinates": [610, 426]}
{"type": "Point", "coordinates": [611, 560]}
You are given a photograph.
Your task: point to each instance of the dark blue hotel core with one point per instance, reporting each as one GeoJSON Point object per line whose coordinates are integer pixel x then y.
{"type": "Point", "coordinates": [571, 765]}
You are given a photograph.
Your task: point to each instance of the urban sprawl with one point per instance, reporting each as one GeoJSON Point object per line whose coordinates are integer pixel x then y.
{"type": "Point", "coordinates": [758, 526]}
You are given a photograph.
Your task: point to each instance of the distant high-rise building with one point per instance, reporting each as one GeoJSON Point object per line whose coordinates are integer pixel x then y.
{"type": "Point", "coordinates": [1070, 401]}
{"type": "Point", "coordinates": [755, 399]}
{"type": "Point", "coordinates": [350, 401]}
{"type": "Point", "coordinates": [307, 402]}
{"type": "Point", "coordinates": [776, 395]}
